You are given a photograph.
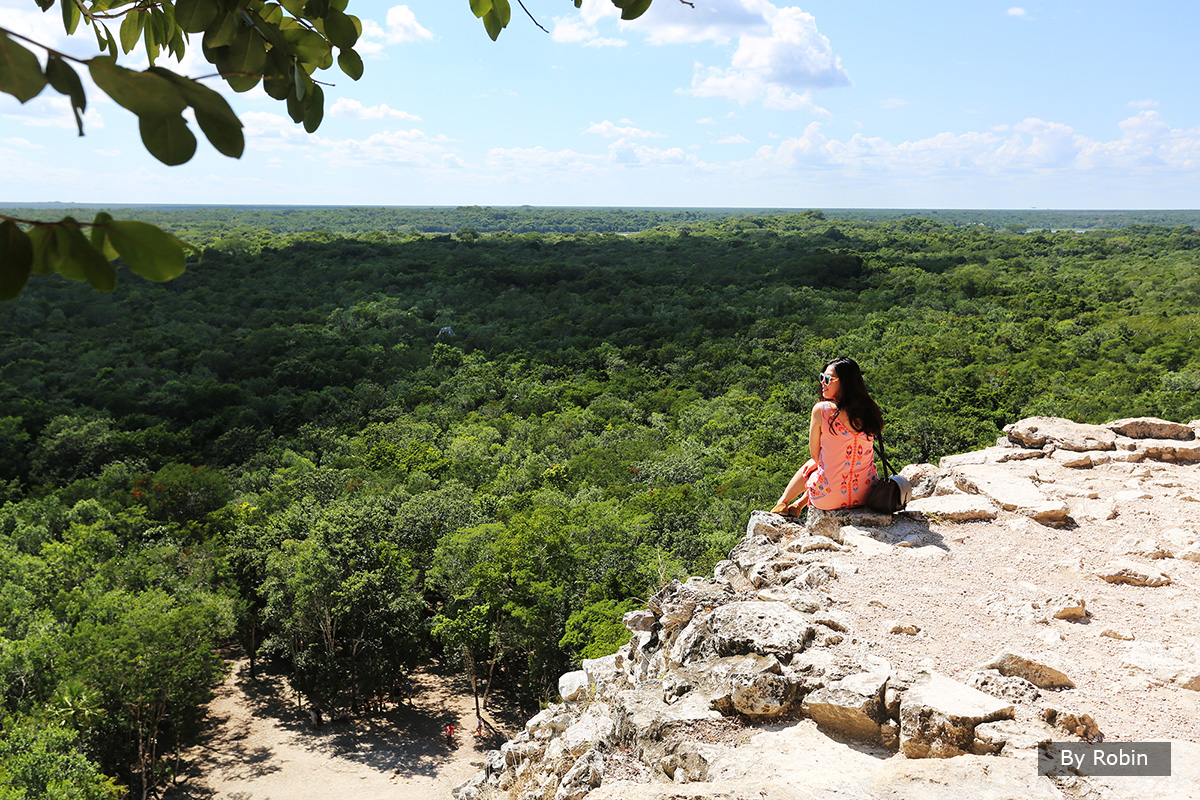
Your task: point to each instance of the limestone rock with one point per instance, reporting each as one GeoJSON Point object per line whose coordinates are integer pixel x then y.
{"type": "Point", "coordinates": [1006, 687]}
{"type": "Point", "coordinates": [752, 550]}
{"type": "Point", "coordinates": [1142, 547]}
{"type": "Point", "coordinates": [763, 695]}
{"type": "Point", "coordinates": [1151, 428]}
{"type": "Point", "coordinates": [938, 716]}
{"type": "Point", "coordinates": [740, 628]}
{"type": "Point", "coordinates": [955, 507]}
{"type": "Point", "coordinates": [1123, 571]}
{"type": "Point", "coordinates": [809, 576]}
{"type": "Point", "coordinates": [970, 776]}
{"type": "Point", "coordinates": [1066, 606]}
{"type": "Point", "coordinates": [1036, 432]}
{"type": "Point", "coordinates": [1169, 449]}
{"type": "Point", "coordinates": [854, 705]}
{"type": "Point", "coordinates": [640, 620]}
{"type": "Point", "coordinates": [901, 627]}
{"type": "Point", "coordinates": [728, 572]}
{"type": "Point", "coordinates": [1117, 633]}
{"type": "Point", "coordinates": [803, 601]}
{"type": "Point", "coordinates": [676, 603]}
{"type": "Point", "coordinates": [583, 776]}
{"type": "Point", "coordinates": [923, 477]}
{"type": "Point", "coordinates": [573, 685]}
{"type": "Point", "coordinates": [1012, 490]}
{"type": "Point", "coordinates": [1036, 672]}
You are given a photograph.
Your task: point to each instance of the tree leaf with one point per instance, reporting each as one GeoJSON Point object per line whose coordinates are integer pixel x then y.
{"type": "Point", "coordinates": [241, 63]}
{"type": "Point", "coordinates": [100, 235]}
{"type": "Point", "coordinates": [86, 261]}
{"type": "Point", "coordinates": [63, 263]}
{"type": "Point", "coordinates": [16, 260]}
{"type": "Point", "coordinates": [350, 63]}
{"type": "Point", "coordinates": [195, 16]}
{"type": "Point", "coordinates": [167, 138]}
{"type": "Point", "coordinates": [340, 29]}
{"type": "Point", "coordinates": [66, 81]}
{"type": "Point", "coordinates": [635, 9]}
{"type": "Point", "coordinates": [131, 30]}
{"type": "Point", "coordinates": [20, 73]}
{"type": "Point", "coordinates": [497, 18]}
{"type": "Point", "coordinates": [143, 93]}
{"type": "Point", "coordinates": [221, 31]}
{"type": "Point", "coordinates": [215, 117]}
{"type": "Point", "coordinates": [45, 250]}
{"type": "Point", "coordinates": [149, 251]}
{"type": "Point", "coordinates": [310, 47]}
{"type": "Point", "coordinates": [70, 15]}
{"type": "Point", "coordinates": [314, 108]}
{"type": "Point", "coordinates": [480, 7]}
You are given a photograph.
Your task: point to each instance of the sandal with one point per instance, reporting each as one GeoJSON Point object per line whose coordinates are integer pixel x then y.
{"type": "Point", "coordinates": [780, 508]}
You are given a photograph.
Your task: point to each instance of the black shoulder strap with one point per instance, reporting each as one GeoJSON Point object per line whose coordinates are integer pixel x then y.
{"type": "Point", "coordinates": [887, 467]}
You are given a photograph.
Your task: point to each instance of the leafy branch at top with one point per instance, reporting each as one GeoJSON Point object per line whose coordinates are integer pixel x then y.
{"type": "Point", "coordinates": [278, 44]}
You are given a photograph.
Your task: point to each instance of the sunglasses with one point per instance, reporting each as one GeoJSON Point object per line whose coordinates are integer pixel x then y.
{"type": "Point", "coordinates": [826, 379]}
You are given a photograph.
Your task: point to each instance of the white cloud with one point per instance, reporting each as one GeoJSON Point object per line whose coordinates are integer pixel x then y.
{"type": "Point", "coordinates": [1018, 12]}
{"type": "Point", "coordinates": [778, 58]}
{"type": "Point", "coordinates": [632, 154]}
{"type": "Point", "coordinates": [352, 109]}
{"type": "Point", "coordinates": [576, 30]}
{"type": "Point", "coordinates": [400, 27]}
{"type": "Point", "coordinates": [705, 121]}
{"type": "Point", "coordinates": [775, 63]}
{"type": "Point", "coordinates": [893, 102]}
{"type": "Point", "coordinates": [1032, 146]}
{"type": "Point", "coordinates": [736, 138]}
{"type": "Point", "coordinates": [611, 131]}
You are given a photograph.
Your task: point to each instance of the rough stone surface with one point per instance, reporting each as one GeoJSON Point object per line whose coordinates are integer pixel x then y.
{"type": "Point", "coordinates": [1123, 571]}
{"type": "Point", "coordinates": [740, 628]}
{"type": "Point", "coordinates": [938, 716]}
{"type": "Point", "coordinates": [573, 685]}
{"type": "Point", "coordinates": [955, 507]}
{"type": "Point", "coordinates": [1062, 433]}
{"type": "Point", "coordinates": [854, 705]}
{"type": "Point", "coordinates": [1151, 428]}
{"type": "Point", "coordinates": [1033, 670]}
{"type": "Point", "coordinates": [1169, 449]}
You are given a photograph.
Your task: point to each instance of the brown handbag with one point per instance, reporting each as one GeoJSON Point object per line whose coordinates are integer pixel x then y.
{"type": "Point", "coordinates": [890, 494]}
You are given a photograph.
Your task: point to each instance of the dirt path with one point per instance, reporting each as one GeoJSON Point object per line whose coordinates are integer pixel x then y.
{"type": "Point", "coordinates": [260, 746]}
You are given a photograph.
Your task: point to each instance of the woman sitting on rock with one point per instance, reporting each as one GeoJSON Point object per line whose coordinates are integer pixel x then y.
{"type": "Point", "coordinates": [841, 438]}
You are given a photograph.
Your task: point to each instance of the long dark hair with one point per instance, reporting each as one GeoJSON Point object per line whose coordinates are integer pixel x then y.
{"type": "Point", "coordinates": [854, 399]}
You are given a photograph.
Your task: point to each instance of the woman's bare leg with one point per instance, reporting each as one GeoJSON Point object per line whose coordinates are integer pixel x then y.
{"type": "Point", "coordinates": [795, 485]}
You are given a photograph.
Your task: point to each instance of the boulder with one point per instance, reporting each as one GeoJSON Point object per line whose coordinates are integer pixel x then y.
{"type": "Point", "coordinates": [596, 728]}
{"type": "Point", "coordinates": [1036, 672]}
{"type": "Point", "coordinates": [676, 603]}
{"type": "Point", "coordinates": [1006, 687]}
{"type": "Point", "coordinates": [854, 705]}
{"type": "Point", "coordinates": [740, 628]}
{"type": "Point", "coordinates": [639, 620]}
{"type": "Point", "coordinates": [728, 572]}
{"type": "Point", "coordinates": [1037, 432]}
{"type": "Point", "coordinates": [573, 685]}
{"type": "Point", "coordinates": [955, 507]}
{"type": "Point", "coordinates": [1131, 572]}
{"type": "Point", "coordinates": [764, 695]}
{"type": "Point", "coordinates": [1151, 428]}
{"type": "Point", "coordinates": [923, 477]}
{"type": "Point", "coordinates": [802, 601]}
{"type": "Point", "coordinates": [938, 716]}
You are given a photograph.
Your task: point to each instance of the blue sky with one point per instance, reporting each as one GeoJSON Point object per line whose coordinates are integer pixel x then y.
{"type": "Point", "coordinates": [744, 103]}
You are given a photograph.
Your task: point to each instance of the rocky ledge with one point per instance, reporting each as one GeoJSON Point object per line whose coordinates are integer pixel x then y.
{"type": "Point", "coordinates": [764, 682]}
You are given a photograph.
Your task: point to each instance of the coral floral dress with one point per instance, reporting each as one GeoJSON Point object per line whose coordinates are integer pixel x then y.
{"type": "Point", "coordinates": [846, 469]}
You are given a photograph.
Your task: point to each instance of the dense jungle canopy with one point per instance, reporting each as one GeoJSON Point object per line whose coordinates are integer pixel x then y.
{"type": "Point", "coordinates": [347, 445]}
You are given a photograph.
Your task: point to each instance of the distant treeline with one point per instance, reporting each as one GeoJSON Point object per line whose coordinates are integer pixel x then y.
{"type": "Point", "coordinates": [204, 224]}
